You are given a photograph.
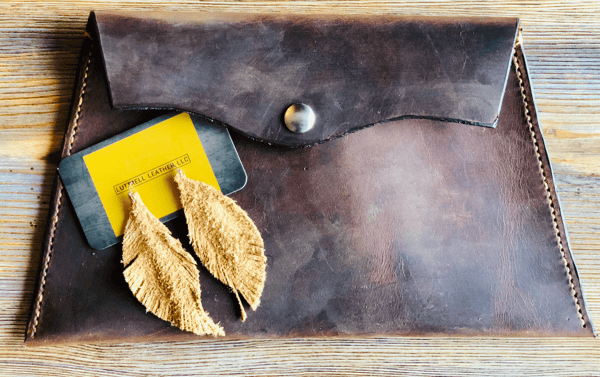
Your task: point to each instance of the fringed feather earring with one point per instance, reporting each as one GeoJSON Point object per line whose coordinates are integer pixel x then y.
{"type": "Point", "coordinates": [225, 239]}
{"type": "Point", "coordinates": [161, 274]}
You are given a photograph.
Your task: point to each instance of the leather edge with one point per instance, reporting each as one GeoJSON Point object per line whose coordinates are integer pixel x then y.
{"type": "Point", "coordinates": [548, 177]}
{"type": "Point", "coordinates": [58, 189]}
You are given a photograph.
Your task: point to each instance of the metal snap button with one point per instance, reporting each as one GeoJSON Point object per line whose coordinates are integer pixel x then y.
{"type": "Point", "coordinates": [299, 118]}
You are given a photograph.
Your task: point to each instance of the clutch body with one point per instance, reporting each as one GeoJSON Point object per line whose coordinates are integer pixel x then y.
{"type": "Point", "coordinates": [422, 202]}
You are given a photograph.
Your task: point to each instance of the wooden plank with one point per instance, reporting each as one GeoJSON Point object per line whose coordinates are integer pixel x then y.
{"type": "Point", "coordinates": [39, 46]}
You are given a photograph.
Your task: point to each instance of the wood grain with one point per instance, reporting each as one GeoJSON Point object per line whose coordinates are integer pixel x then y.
{"type": "Point", "coordinates": [39, 46]}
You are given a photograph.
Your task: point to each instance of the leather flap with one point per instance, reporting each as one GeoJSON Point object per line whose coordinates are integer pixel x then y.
{"type": "Point", "coordinates": [244, 70]}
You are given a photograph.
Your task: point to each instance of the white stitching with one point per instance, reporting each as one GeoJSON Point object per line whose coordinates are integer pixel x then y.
{"type": "Point", "coordinates": [548, 192]}
{"type": "Point", "coordinates": [49, 250]}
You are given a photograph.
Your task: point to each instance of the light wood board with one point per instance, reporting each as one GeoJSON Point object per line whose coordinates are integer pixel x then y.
{"type": "Point", "coordinates": [39, 46]}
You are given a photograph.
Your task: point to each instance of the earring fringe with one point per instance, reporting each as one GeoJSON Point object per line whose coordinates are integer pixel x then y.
{"type": "Point", "coordinates": [225, 239]}
{"type": "Point", "coordinates": [161, 274]}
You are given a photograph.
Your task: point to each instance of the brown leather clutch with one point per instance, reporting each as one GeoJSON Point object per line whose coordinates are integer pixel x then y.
{"type": "Point", "coordinates": [421, 203]}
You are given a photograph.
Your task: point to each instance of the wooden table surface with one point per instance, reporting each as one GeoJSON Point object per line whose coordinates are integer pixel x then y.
{"type": "Point", "coordinates": [39, 45]}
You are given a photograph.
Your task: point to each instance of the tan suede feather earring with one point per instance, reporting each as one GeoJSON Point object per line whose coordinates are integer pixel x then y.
{"type": "Point", "coordinates": [161, 274]}
{"type": "Point", "coordinates": [225, 239]}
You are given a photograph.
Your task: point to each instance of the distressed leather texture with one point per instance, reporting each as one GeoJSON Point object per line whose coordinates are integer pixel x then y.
{"type": "Point", "coordinates": [245, 70]}
{"type": "Point", "coordinates": [411, 226]}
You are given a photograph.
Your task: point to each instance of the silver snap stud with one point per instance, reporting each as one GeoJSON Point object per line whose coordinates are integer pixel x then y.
{"type": "Point", "coordinates": [299, 118]}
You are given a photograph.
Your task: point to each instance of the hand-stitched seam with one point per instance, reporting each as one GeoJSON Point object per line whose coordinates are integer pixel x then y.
{"type": "Point", "coordinates": [56, 209]}
{"type": "Point", "coordinates": [547, 187]}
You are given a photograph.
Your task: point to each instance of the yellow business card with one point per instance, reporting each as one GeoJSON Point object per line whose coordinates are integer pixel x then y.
{"type": "Point", "coordinates": [145, 159]}
{"type": "Point", "coordinates": [146, 162]}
